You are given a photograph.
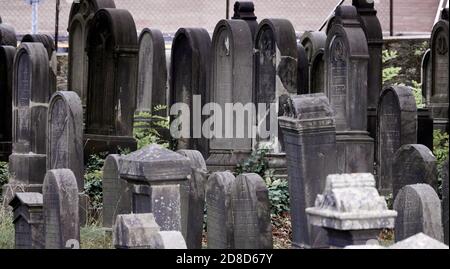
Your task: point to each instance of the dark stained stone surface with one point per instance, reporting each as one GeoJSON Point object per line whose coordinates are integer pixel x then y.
{"type": "Point", "coordinates": [6, 71]}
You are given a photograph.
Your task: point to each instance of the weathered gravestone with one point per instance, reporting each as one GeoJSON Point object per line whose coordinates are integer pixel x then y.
{"type": "Point", "coordinates": [220, 231]}
{"type": "Point", "coordinates": [413, 164]}
{"type": "Point", "coordinates": [419, 241]}
{"type": "Point", "coordinates": [426, 74]}
{"type": "Point", "coordinates": [231, 83]}
{"type": "Point", "coordinates": [419, 211]}
{"type": "Point", "coordinates": [374, 35]}
{"type": "Point", "coordinates": [245, 10]}
{"type": "Point", "coordinates": [152, 72]}
{"type": "Point", "coordinates": [116, 191]}
{"type": "Point", "coordinates": [302, 70]}
{"type": "Point", "coordinates": [80, 20]}
{"type": "Point", "coordinates": [351, 210]}
{"type": "Point", "coordinates": [157, 175]}
{"type": "Point", "coordinates": [445, 195]}
{"type": "Point", "coordinates": [111, 95]}
{"type": "Point", "coordinates": [7, 35]}
{"type": "Point", "coordinates": [193, 208]}
{"type": "Point", "coordinates": [190, 74]}
{"type": "Point", "coordinates": [49, 45]}
{"type": "Point", "coordinates": [28, 220]}
{"type": "Point", "coordinates": [310, 140]}
{"type": "Point", "coordinates": [275, 74]}
{"type": "Point", "coordinates": [346, 60]}
{"type": "Point", "coordinates": [27, 164]}
{"type": "Point", "coordinates": [251, 213]}
{"type": "Point", "coordinates": [61, 213]}
{"type": "Point", "coordinates": [437, 98]}
{"type": "Point", "coordinates": [314, 44]}
{"type": "Point", "coordinates": [397, 126]}
{"type": "Point", "coordinates": [6, 70]}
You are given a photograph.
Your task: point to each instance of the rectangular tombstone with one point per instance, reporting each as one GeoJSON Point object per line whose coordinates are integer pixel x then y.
{"type": "Point", "coordinates": [220, 231]}
{"type": "Point", "coordinates": [6, 66]}
{"type": "Point", "coordinates": [419, 211]}
{"type": "Point", "coordinates": [251, 213]}
{"type": "Point", "coordinates": [310, 139]}
{"type": "Point", "coordinates": [28, 220]}
{"type": "Point", "coordinates": [134, 231]}
{"type": "Point", "coordinates": [61, 212]}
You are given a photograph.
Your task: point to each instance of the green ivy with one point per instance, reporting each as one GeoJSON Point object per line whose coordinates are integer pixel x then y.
{"type": "Point", "coordinates": [146, 129]}
{"type": "Point", "coordinates": [93, 180]}
{"type": "Point", "coordinates": [4, 176]}
{"type": "Point", "coordinates": [440, 150]}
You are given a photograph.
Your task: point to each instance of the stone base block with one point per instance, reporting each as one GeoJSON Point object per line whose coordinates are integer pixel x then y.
{"type": "Point", "coordinates": [355, 152]}
{"type": "Point", "coordinates": [5, 151]}
{"type": "Point", "coordinates": [27, 169]}
{"type": "Point", "coordinates": [277, 162]}
{"type": "Point", "coordinates": [342, 239]}
{"type": "Point", "coordinates": [94, 144]}
{"type": "Point", "coordinates": [225, 160]}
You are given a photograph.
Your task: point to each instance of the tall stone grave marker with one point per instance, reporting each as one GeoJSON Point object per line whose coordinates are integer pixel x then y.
{"type": "Point", "coordinates": [116, 191]}
{"type": "Point", "coordinates": [232, 57]}
{"type": "Point", "coordinates": [80, 20]}
{"type": "Point", "coordinates": [190, 74]}
{"type": "Point", "coordinates": [413, 164]}
{"type": "Point", "coordinates": [426, 74]}
{"type": "Point", "coordinates": [27, 163]}
{"type": "Point", "coordinates": [314, 44]}
{"type": "Point", "coordinates": [192, 210]}
{"type": "Point", "coordinates": [397, 126]}
{"type": "Point", "coordinates": [302, 70]}
{"type": "Point", "coordinates": [111, 96]}
{"type": "Point", "coordinates": [419, 211]}
{"type": "Point", "coordinates": [28, 220]}
{"type": "Point", "coordinates": [6, 73]}
{"type": "Point", "coordinates": [445, 195]}
{"type": "Point", "coordinates": [7, 35]}
{"type": "Point", "coordinates": [346, 59]}
{"type": "Point", "coordinates": [437, 98]}
{"type": "Point", "coordinates": [157, 175]}
{"type": "Point", "coordinates": [251, 213]}
{"type": "Point", "coordinates": [152, 72]}
{"type": "Point", "coordinates": [310, 140]}
{"type": "Point", "coordinates": [61, 213]}
{"type": "Point", "coordinates": [219, 211]}
{"type": "Point", "coordinates": [245, 10]}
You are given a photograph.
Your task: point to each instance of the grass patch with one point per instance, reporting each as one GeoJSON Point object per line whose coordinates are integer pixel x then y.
{"type": "Point", "coordinates": [6, 229]}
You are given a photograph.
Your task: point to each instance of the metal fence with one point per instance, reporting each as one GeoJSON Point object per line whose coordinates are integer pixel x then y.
{"type": "Point", "coordinates": [169, 15]}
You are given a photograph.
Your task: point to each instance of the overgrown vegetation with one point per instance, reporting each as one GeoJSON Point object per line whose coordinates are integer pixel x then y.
{"type": "Point", "coordinates": [440, 150]}
{"type": "Point", "coordinates": [6, 229]}
{"type": "Point", "coordinates": [4, 176]}
{"type": "Point", "coordinates": [391, 72]}
{"type": "Point", "coordinates": [93, 180]}
{"type": "Point", "coordinates": [149, 128]}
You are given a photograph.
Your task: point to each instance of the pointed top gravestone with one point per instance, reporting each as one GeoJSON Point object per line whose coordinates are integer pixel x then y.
{"type": "Point", "coordinates": [6, 73]}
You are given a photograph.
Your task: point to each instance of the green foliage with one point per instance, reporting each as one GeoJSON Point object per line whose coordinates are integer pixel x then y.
{"type": "Point", "coordinates": [94, 236]}
{"type": "Point", "coordinates": [389, 55]}
{"type": "Point", "coordinates": [421, 50]}
{"type": "Point", "coordinates": [93, 180]}
{"type": "Point", "coordinates": [417, 90]}
{"type": "Point", "coordinates": [147, 128]}
{"type": "Point", "coordinates": [440, 150]}
{"type": "Point", "coordinates": [6, 229]}
{"type": "Point", "coordinates": [256, 163]}
{"type": "Point", "coordinates": [390, 73]}
{"type": "Point", "coordinates": [4, 173]}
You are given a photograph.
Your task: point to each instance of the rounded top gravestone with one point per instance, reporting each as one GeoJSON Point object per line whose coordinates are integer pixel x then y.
{"type": "Point", "coordinates": [86, 8]}
{"type": "Point", "coordinates": [7, 35]}
{"type": "Point", "coordinates": [312, 42]}
{"type": "Point", "coordinates": [302, 70]}
{"type": "Point", "coordinates": [6, 72]}
{"type": "Point", "coordinates": [46, 40]}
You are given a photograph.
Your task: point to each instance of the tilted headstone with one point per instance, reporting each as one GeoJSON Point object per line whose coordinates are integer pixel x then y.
{"type": "Point", "coordinates": [251, 213]}
{"type": "Point", "coordinates": [310, 139]}
{"type": "Point", "coordinates": [80, 20]}
{"type": "Point", "coordinates": [374, 35]}
{"type": "Point", "coordinates": [351, 210]}
{"type": "Point", "coordinates": [220, 230]}
{"type": "Point", "coordinates": [190, 75]}
{"type": "Point", "coordinates": [7, 35]}
{"type": "Point", "coordinates": [116, 191]}
{"type": "Point", "coordinates": [6, 72]}
{"type": "Point", "coordinates": [157, 175]}
{"type": "Point", "coordinates": [397, 126]}
{"type": "Point", "coordinates": [426, 74]}
{"type": "Point", "coordinates": [419, 241]}
{"type": "Point", "coordinates": [134, 231]}
{"type": "Point", "coordinates": [231, 81]}
{"type": "Point", "coordinates": [302, 70]}
{"type": "Point", "coordinates": [314, 44]}
{"type": "Point", "coordinates": [419, 211]}
{"type": "Point", "coordinates": [192, 211]}
{"type": "Point", "coordinates": [152, 72]}
{"type": "Point", "coordinates": [346, 60]}
{"type": "Point", "coordinates": [111, 95]}
{"type": "Point", "coordinates": [437, 98]}
{"type": "Point", "coordinates": [445, 195]}
{"type": "Point", "coordinates": [245, 10]}
{"type": "Point", "coordinates": [31, 94]}
{"type": "Point", "coordinates": [28, 219]}
{"type": "Point", "coordinates": [61, 213]}
{"type": "Point", "coordinates": [413, 164]}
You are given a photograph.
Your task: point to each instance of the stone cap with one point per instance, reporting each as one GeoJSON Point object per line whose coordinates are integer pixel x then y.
{"type": "Point", "coordinates": [30, 199]}
{"type": "Point", "coordinates": [363, 4]}
{"type": "Point", "coordinates": [351, 202]}
{"type": "Point", "coordinates": [244, 10]}
{"type": "Point", "coordinates": [134, 230]}
{"type": "Point", "coordinates": [155, 163]}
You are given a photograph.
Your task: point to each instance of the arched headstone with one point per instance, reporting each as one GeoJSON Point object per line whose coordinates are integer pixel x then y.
{"type": "Point", "coordinates": [413, 164]}
{"type": "Point", "coordinates": [7, 35]}
{"type": "Point", "coordinates": [314, 44]}
{"type": "Point", "coordinates": [438, 96]}
{"type": "Point", "coordinates": [231, 82]}
{"type": "Point", "coordinates": [152, 72]}
{"type": "Point", "coordinates": [61, 214]}
{"type": "Point", "coordinates": [111, 96]}
{"type": "Point", "coordinates": [80, 20]}
{"type": "Point", "coordinates": [303, 70]}
{"type": "Point", "coordinates": [190, 74]}
{"type": "Point", "coordinates": [6, 72]}
{"type": "Point", "coordinates": [346, 60]}
{"type": "Point", "coordinates": [426, 74]}
{"type": "Point", "coordinates": [317, 72]}
{"type": "Point", "coordinates": [65, 135]}
{"type": "Point", "coordinates": [245, 10]}
{"type": "Point", "coordinates": [397, 126]}
{"type": "Point", "coordinates": [27, 163]}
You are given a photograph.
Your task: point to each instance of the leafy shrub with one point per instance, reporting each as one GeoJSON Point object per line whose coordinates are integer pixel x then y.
{"type": "Point", "coordinates": [256, 163]}
{"type": "Point", "coordinates": [93, 180]}
{"type": "Point", "coordinates": [147, 128]}
{"type": "Point", "coordinates": [6, 229]}
{"type": "Point", "coordinates": [417, 90]}
{"type": "Point", "coordinates": [390, 73]}
{"type": "Point", "coordinates": [440, 150]}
